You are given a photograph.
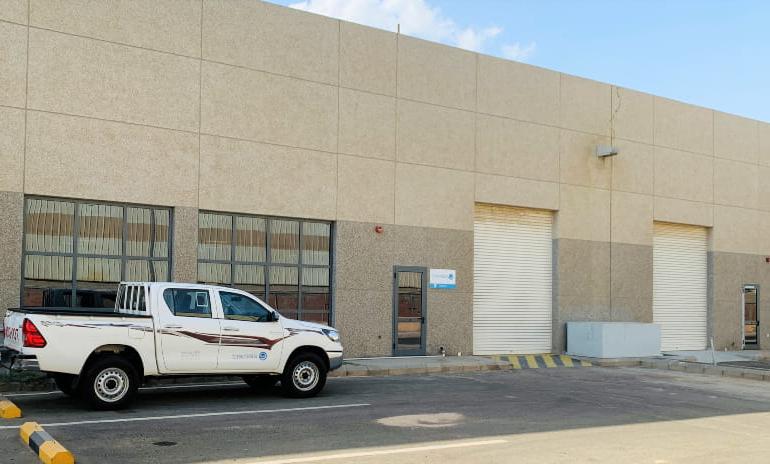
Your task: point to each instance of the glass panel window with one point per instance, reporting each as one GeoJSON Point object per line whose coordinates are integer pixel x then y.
{"type": "Point", "coordinates": [98, 270]}
{"type": "Point", "coordinates": [48, 226]}
{"type": "Point", "coordinates": [284, 291]}
{"type": "Point", "coordinates": [43, 267]}
{"type": "Point", "coordinates": [145, 270]}
{"type": "Point", "coordinates": [321, 317]}
{"type": "Point", "coordinates": [188, 302]}
{"type": "Point", "coordinates": [96, 295]}
{"type": "Point", "coordinates": [315, 290]}
{"type": "Point", "coordinates": [284, 241]}
{"type": "Point", "coordinates": [46, 293]}
{"type": "Point", "coordinates": [100, 230]}
{"type": "Point", "coordinates": [161, 238]}
{"type": "Point", "coordinates": [139, 232]}
{"type": "Point", "coordinates": [214, 273]}
{"type": "Point", "coordinates": [315, 243]}
{"type": "Point", "coordinates": [215, 234]}
{"type": "Point", "coordinates": [242, 308]}
{"type": "Point", "coordinates": [76, 251]}
{"type": "Point", "coordinates": [251, 279]}
{"type": "Point", "coordinates": [250, 240]}
{"type": "Point", "coordinates": [285, 262]}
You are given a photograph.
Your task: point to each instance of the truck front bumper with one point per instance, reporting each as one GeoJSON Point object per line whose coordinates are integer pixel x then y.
{"type": "Point", "coordinates": [15, 361]}
{"type": "Point", "coordinates": [335, 359]}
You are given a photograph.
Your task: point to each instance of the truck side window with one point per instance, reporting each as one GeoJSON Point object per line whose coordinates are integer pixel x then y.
{"type": "Point", "coordinates": [242, 308]}
{"type": "Point", "coordinates": [188, 302]}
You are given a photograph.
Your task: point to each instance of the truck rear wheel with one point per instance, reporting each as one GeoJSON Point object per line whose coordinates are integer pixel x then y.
{"type": "Point", "coordinates": [110, 382]}
{"type": "Point", "coordinates": [304, 376]}
{"type": "Point", "coordinates": [66, 383]}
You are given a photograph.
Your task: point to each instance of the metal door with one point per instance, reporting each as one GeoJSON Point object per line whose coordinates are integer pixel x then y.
{"type": "Point", "coordinates": [409, 310]}
{"type": "Point", "coordinates": [750, 310]}
{"type": "Point", "coordinates": [512, 280]}
{"type": "Point", "coordinates": [680, 285]}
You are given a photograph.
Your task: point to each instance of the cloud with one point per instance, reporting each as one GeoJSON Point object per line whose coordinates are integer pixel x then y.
{"type": "Point", "coordinates": [515, 51]}
{"type": "Point", "coordinates": [471, 39]}
{"type": "Point", "coordinates": [416, 17]}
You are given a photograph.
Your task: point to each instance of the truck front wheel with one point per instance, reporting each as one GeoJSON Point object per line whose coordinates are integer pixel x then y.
{"type": "Point", "coordinates": [110, 382]}
{"type": "Point", "coordinates": [304, 376]}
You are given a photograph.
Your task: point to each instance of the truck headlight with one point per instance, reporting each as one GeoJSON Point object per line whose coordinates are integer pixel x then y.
{"type": "Point", "coordinates": [332, 334]}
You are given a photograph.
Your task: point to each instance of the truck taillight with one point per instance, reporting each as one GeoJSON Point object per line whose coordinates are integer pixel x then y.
{"type": "Point", "coordinates": [32, 337]}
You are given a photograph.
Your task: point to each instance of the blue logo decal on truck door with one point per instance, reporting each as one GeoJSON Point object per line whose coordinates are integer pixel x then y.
{"type": "Point", "coordinates": [263, 355]}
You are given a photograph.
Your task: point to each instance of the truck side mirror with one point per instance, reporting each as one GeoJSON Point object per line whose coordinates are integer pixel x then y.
{"type": "Point", "coordinates": [273, 316]}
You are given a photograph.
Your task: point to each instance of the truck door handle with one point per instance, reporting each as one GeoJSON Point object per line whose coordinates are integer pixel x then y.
{"type": "Point", "coordinates": [172, 326]}
{"type": "Point", "coordinates": [231, 329]}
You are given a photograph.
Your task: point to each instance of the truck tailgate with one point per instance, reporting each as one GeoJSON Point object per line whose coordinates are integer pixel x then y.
{"type": "Point", "coordinates": [12, 330]}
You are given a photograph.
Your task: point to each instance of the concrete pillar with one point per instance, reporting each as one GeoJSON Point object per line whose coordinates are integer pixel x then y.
{"type": "Point", "coordinates": [11, 220]}
{"type": "Point", "coordinates": [185, 255]}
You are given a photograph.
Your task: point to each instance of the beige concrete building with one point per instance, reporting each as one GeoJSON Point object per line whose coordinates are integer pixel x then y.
{"type": "Point", "coordinates": [305, 158]}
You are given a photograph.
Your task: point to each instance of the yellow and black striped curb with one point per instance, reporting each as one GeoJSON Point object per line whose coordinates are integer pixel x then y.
{"type": "Point", "coordinates": [541, 361]}
{"type": "Point", "coordinates": [8, 410]}
{"type": "Point", "coordinates": [48, 450]}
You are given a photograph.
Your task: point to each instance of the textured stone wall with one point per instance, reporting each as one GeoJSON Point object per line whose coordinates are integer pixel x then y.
{"type": "Point", "coordinates": [729, 272]}
{"type": "Point", "coordinates": [599, 281]}
{"type": "Point", "coordinates": [363, 285]}
{"type": "Point", "coordinates": [11, 217]}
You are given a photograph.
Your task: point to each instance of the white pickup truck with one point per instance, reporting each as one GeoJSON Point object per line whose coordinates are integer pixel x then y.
{"type": "Point", "coordinates": [164, 329]}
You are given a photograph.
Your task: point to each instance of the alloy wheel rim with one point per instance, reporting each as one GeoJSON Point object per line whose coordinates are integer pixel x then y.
{"type": "Point", "coordinates": [306, 375]}
{"type": "Point", "coordinates": [111, 385]}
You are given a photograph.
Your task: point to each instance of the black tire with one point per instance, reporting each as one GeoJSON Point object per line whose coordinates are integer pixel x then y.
{"type": "Point", "coordinates": [261, 383]}
{"type": "Point", "coordinates": [66, 383]}
{"type": "Point", "coordinates": [304, 376]}
{"type": "Point", "coordinates": [109, 382]}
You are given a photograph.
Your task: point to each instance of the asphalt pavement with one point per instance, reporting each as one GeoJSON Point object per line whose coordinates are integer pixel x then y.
{"type": "Point", "coordinates": [535, 415]}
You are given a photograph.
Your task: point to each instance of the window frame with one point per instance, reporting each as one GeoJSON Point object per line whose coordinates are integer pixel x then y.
{"type": "Point", "coordinates": [74, 255]}
{"type": "Point", "coordinates": [268, 263]}
{"type": "Point", "coordinates": [246, 295]}
{"type": "Point", "coordinates": [172, 288]}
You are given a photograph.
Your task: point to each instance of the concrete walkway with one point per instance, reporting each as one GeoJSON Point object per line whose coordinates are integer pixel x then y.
{"type": "Point", "coordinates": [749, 364]}
{"type": "Point", "coordinates": [433, 364]}
{"type": "Point", "coordinates": [359, 367]}
{"type": "Point", "coordinates": [706, 356]}
{"type": "Point", "coordinates": [721, 370]}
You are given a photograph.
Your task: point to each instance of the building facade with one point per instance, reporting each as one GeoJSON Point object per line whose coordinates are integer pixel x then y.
{"type": "Point", "coordinates": [328, 167]}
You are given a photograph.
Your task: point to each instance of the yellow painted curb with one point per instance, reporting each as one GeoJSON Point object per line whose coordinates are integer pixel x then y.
{"type": "Point", "coordinates": [52, 452]}
{"type": "Point", "coordinates": [549, 362]}
{"type": "Point", "coordinates": [531, 361]}
{"type": "Point", "coordinates": [537, 361]}
{"type": "Point", "coordinates": [8, 410]}
{"type": "Point", "coordinates": [48, 450]}
{"type": "Point", "coordinates": [27, 429]}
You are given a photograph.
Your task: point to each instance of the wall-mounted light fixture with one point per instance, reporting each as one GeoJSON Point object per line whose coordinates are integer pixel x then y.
{"type": "Point", "coordinates": [602, 151]}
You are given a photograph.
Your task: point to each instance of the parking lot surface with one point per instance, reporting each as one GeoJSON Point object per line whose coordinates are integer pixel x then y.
{"type": "Point", "coordinates": [553, 415]}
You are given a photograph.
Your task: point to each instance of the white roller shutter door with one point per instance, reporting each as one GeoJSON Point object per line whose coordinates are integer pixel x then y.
{"type": "Point", "coordinates": [512, 280]}
{"type": "Point", "coordinates": [679, 285]}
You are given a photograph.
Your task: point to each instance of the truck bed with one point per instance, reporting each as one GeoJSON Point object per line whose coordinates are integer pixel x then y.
{"type": "Point", "coordinates": [69, 311]}
{"type": "Point", "coordinates": [72, 334]}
